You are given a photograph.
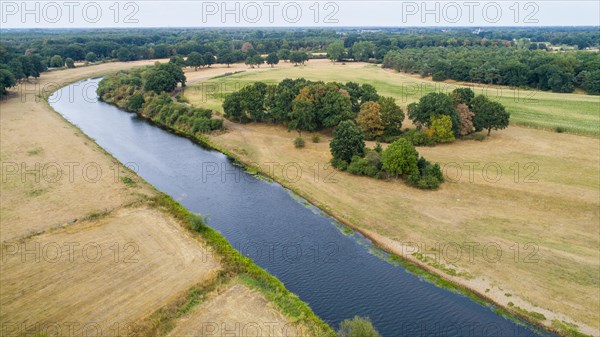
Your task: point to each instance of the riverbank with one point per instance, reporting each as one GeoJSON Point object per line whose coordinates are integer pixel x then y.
{"type": "Point", "coordinates": [541, 213]}
{"type": "Point", "coordinates": [406, 229]}
{"type": "Point", "coordinates": [63, 194]}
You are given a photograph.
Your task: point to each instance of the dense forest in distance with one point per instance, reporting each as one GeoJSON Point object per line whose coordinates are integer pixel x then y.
{"type": "Point", "coordinates": [548, 58]}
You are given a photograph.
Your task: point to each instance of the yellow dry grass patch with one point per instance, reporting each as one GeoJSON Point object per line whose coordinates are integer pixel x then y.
{"type": "Point", "coordinates": [100, 274]}
{"type": "Point", "coordinates": [51, 172]}
{"type": "Point", "coordinates": [544, 219]}
{"type": "Point", "coordinates": [236, 311]}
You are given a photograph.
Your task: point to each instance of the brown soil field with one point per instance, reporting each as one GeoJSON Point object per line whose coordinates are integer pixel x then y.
{"type": "Point", "coordinates": [542, 219]}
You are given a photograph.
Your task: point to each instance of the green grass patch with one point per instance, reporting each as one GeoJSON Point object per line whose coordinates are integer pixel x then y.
{"type": "Point", "coordinates": [568, 329]}
{"type": "Point", "coordinates": [128, 181]}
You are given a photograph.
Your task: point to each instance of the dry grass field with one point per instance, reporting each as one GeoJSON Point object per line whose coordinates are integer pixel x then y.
{"type": "Point", "coordinates": [84, 254]}
{"type": "Point", "coordinates": [237, 310]}
{"type": "Point", "coordinates": [110, 272]}
{"type": "Point", "coordinates": [532, 196]}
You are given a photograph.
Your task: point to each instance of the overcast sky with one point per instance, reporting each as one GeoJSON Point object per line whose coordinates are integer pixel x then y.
{"type": "Point", "coordinates": [134, 14]}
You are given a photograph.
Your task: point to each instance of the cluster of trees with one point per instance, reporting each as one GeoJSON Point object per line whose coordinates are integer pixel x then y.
{"type": "Point", "coordinates": [145, 91]}
{"type": "Point", "coordinates": [559, 72]}
{"type": "Point", "coordinates": [14, 68]}
{"type": "Point", "coordinates": [305, 105]}
{"type": "Point", "coordinates": [458, 114]}
{"type": "Point", "coordinates": [399, 160]}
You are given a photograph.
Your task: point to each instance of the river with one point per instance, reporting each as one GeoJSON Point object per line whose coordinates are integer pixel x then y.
{"type": "Point", "coordinates": [338, 272]}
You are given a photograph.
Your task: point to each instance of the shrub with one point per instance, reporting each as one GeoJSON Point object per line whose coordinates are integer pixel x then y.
{"type": "Point", "coordinates": [362, 167]}
{"type": "Point", "coordinates": [479, 137]}
{"type": "Point", "coordinates": [196, 222]}
{"type": "Point", "coordinates": [299, 142]}
{"type": "Point", "coordinates": [378, 147]}
{"type": "Point", "coordinates": [357, 327]}
{"type": "Point", "coordinates": [429, 176]}
{"type": "Point", "coordinates": [339, 164]}
{"type": "Point", "coordinates": [560, 129]}
{"type": "Point", "coordinates": [418, 137]}
{"type": "Point", "coordinates": [316, 138]}
{"type": "Point", "coordinates": [135, 102]}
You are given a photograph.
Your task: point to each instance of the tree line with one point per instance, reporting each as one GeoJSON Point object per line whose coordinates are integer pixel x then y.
{"type": "Point", "coordinates": [559, 72]}
{"type": "Point", "coordinates": [146, 91]}
{"type": "Point", "coordinates": [58, 48]}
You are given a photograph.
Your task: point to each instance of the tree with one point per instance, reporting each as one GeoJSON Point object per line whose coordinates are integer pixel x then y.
{"type": "Point", "coordinates": [209, 59]}
{"type": "Point", "coordinates": [303, 117]}
{"type": "Point", "coordinates": [335, 51]}
{"type": "Point", "coordinates": [177, 60]}
{"type": "Point", "coordinates": [123, 54]}
{"type": "Point", "coordinates": [357, 327]}
{"type": "Point", "coordinates": [284, 54]}
{"type": "Point", "coordinates": [91, 57]}
{"type": "Point", "coordinates": [159, 81]}
{"type": "Point", "coordinates": [392, 116]}
{"type": "Point", "coordinates": [7, 80]}
{"type": "Point", "coordinates": [400, 158]}
{"type": "Point", "coordinates": [591, 83]}
{"type": "Point", "coordinates": [466, 119]}
{"type": "Point", "coordinates": [369, 120]}
{"type": "Point", "coordinates": [440, 129]}
{"type": "Point", "coordinates": [430, 105]}
{"type": "Point", "coordinates": [489, 114]}
{"type": "Point", "coordinates": [272, 59]}
{"type": "Point", "coordinates": [195, 60]}
{"type": "Point", "coordinates": [246, 47]}
{"type": "Point", "coordinates": [135, 102]}
{"type": "Point", "coordinates": [56, 62]}
{"type": "Point", "coordinates": [226, 57]}
{"type": "Point", "coordinates": [298, 57]}
{"type": "Point", "coordinates": [462, 95]}
{"type": "Point", "coordinates": [363, 50]}
{"type": "Point", "coordinates": [348, 141]}
{"type": "Point", "coordinates": [70, 63]}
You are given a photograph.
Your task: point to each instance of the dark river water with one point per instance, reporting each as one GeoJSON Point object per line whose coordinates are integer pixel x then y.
{"type": "Point", "coordinates": [337, 272]}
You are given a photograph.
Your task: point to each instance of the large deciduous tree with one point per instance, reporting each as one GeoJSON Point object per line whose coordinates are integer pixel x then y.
{"type": "Point", "coordinates": [433, 104]}
{"type": "Point", "coordinates": [370, 121]}
{"type": "Point", "coordinates": [348, 141]}
{"type": "Point", "coordinates": [489, 115]}
{"type": "Point", "coordinates": [400, 158]}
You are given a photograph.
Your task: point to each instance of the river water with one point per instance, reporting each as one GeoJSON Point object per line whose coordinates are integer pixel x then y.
{"type": "Point", "coordinates": [339, 273]}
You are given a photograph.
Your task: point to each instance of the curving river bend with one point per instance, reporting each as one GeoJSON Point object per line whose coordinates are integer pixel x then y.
{"type": "Point", "coordinates": [339, 274]}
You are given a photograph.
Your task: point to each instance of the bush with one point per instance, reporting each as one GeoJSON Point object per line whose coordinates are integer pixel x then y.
{"type": "Point", "coordinates": [339, 164]}
{"type": "Point", "coordinates": [388, 139]}
{"type": "Point", "coordinates": [299, 142]}
{"type": "Point", "coordinates": [560, 129]}
{"type": "Point", "coordinates": [357, 327]}
{"type": "Point", "coordinates": [418, 137]}
{"type": "Point", "coordinates": [362, 167]}
{"type": "Point", "coordinates": [316, 138]}
{"type": "Point", "coordinates": [196, 222]}
{"type": "Point", "coordinates": [429, 176]}
{"type": "Point", "coordinates": [378, 147]}
{"type": "Point", "coordinates": [479, 137]}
